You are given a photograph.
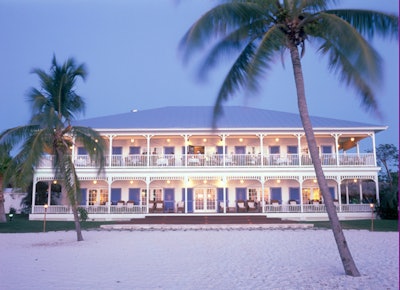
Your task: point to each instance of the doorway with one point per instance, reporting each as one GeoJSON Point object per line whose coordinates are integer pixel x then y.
{"type": "Point", "coordinates": [205, 200]}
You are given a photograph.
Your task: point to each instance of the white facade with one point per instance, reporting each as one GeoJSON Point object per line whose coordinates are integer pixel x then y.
{"type": "Point", "coordinates": [197, 170]}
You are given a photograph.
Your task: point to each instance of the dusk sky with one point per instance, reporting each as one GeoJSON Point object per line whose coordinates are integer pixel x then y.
{"type": "Point", "coordinates": [130, 48]}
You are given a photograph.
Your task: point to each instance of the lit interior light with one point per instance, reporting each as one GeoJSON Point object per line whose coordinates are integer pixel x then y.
{"type": "Point", "coordinates": [276, 139]}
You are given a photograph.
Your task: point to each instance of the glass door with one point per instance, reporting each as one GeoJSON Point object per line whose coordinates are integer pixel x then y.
{"type": "Point", "coordinates": [205, 200]}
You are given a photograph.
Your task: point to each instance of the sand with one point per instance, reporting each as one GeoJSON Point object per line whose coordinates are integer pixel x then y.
{"type": "Point", "coordinates": [197, 259]}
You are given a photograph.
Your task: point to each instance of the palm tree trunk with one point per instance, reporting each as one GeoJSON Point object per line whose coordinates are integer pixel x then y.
{"type": "Point", "coordinates": [77, 223]}
{"type": "Point", "coordinates": [344, 251]}
{"type": "Point", "coordinates": [3, 218]}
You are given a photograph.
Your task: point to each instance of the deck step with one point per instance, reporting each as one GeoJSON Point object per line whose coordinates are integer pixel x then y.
{"type": "Point", "coordinates": [206, 220]}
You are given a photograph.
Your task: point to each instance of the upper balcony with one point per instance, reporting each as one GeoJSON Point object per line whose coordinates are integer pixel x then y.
{"type": "Point", "coordinates": [221, 160]}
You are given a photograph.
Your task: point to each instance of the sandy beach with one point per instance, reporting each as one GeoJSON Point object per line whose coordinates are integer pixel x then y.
{"type": "Point", "coordinates": [197, 259]}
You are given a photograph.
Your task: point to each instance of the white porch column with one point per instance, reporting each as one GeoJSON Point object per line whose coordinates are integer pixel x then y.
{"type": "Point", "coordinates": [110, 137]}
{"type": "Point", "coordinates": [223, 137]}
{"type": "Point", "coordinates": [261, 137]}
{"type": "Point", "coordinates": [224, 192]}
{"type": "Point", "coordinates": [148, 192]}
{"type": "Point", "coordinates": [49, 194]}
{"type": "Point", "coordinates": [73, 150]}
{"type": "Point", "coordinates": [339, 191]}
{"type": "Point", "coordinates": [360, 189]}
{"type": "Point", "coordinates": [186, 181]}
{"type": "Point", "coordinates": [299, 146]}
{"type": "Point", "coordinates": [186, 142]}
{"type": "Point", "coordinates": [262, 180]}
{"type": "Point", "coordinates": [109, 194]}
{"type": "Point", "coordinates": [377, 189]}
{"type": "Point", "coordinates": [301, 179]}
{"type": "Point", "coordinates": [34, 193]}
{"type": "Point", "coordinates": [148, 137]}
{"type": "Point", "coordinates": [336, 136]}
{"type": "Point", "coordinates": [347, 192]}
{"type": "Point", "coordinates": [374, 148]}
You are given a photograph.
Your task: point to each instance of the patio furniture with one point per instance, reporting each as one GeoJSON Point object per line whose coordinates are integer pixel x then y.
{"type": "Point", "coordinates": [180, 207]}
{"type": "Point", "coordinates": [252, 206]}
{"type": "Point", "coordinates": [241, 206]}
{"type": "Point", "coordinates": [221, 207]}
{"type": "Point", "coordinates": [151, 206]}
{"type": "Point", "coordinates": [292, 202]}
{"type": "Point", "coordinates": [120, 203]}
{"type": "Point", "coordinates": [130, 203]}
{"type": "Point", "coordinates": [159, 206]}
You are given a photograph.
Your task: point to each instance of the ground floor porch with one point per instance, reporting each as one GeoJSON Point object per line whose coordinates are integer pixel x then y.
{"type": "Point", "coordinates": [311, 212]}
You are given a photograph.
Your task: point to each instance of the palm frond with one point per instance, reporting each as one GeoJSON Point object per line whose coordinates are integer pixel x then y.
{"type": "Point", "coordinates": [234, 42]}
{"type": "Point", "coordinates": [370, 23]}
{"type": "Point", "coordinates": [92, 142]}
{"type": "Point", "coordinates": [218, 22]}
{"type": "Point", "coordinates": [356, 63]}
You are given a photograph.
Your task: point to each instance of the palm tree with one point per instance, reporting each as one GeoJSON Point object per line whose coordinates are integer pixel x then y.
{"type": "Point", "coordinates": [4, 162]}
{"type": "Point", "coordinates": [50, 131]}
{"type": "Point", "coordinates": [261, 31]}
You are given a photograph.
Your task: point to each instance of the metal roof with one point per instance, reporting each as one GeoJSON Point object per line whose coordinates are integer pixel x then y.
{"type": "Point", "coordinates": [200, 117]}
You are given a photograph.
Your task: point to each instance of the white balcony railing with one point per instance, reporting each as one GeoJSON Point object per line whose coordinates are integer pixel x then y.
{"type": "Point", "coordinates": [142, 209]}
{"type": "Point", "coordinates": [220, 160]}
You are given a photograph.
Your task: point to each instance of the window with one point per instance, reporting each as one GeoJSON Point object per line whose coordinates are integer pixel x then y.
{"type": "Point", "coordinates": [117, 150]}
{"type": "Point", "coordinates": [156, 194]}
{"type": "Point", "coordinates": [276, 194]}
{"type": "Point", "coordinates": [134, 150]}
{"type": "Point", "coordinates": [252, 194]}
{"type": "Point", "coordinates": [310, 194]}
{"type": "Point", "coordinates": [169, 150]}
{"type": "Point", "coordinates": [82, 151]}
{"type": "Point", "coordinates": [292, 149]}
{"type": "Point", "coordinates": [294, 194]}
{"type": "Point", "coordinates": [326, 149]}
{"type": "Point", "coordinates": [274, 150]}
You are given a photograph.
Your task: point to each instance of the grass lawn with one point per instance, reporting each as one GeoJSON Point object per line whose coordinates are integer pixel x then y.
{"type": "Point", "coordinates": [21, 224]}
{"type": "Point", "coordinates": [378, 225]}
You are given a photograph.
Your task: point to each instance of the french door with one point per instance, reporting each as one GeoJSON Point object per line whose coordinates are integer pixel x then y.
{"type": "Point", "coordinates": [205, 200]}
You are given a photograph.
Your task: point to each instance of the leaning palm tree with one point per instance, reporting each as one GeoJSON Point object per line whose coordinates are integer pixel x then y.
{"type": "Point", "coordinates": [261, 31]}
{"type": "Point", "coordinates": [50, 131]}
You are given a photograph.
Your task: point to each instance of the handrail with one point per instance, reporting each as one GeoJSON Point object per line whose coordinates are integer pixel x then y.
{"type": "Point", "coordinates": [218, 160]}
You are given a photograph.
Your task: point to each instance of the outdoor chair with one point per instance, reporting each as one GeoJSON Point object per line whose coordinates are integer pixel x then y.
{"type": "Point", "coordinates": [252, 206]}
{"type": "Point", "coordinates": [151, 206]}
{"type": "Point", "coordinates": [130, 203]}
{"type": "Point", "coordinates": [120, 203]}
{"type": "Point", "coordinates": [159, 206]}
{"type": "Point", "coordinates": [180, 207]}
{"type": "Point", "coordinates": [275, 202]}
{"type": "Point", "coordinates": [241, 206]}
{"type": "Point", "coordinates": [221, 207]}
{"type": "Point", "coordinates": [292, 202]}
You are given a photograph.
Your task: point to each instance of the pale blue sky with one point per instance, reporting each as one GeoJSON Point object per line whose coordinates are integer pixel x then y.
{"type": "Point", "coordinates": [130, 48]}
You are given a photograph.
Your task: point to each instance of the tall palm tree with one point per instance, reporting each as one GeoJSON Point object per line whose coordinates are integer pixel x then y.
{"type": "Point", "coordinates": [50, 131]}
{"type": "Point", "coordinates": [261, 31]}
{"type": "Point", "coordinates": [5, 159]}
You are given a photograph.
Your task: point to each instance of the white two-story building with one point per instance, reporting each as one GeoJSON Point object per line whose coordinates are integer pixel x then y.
{"type": "Point", "coordinates": [172, 161]}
